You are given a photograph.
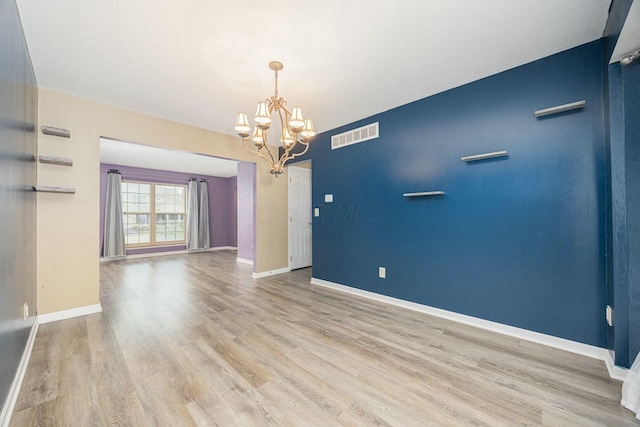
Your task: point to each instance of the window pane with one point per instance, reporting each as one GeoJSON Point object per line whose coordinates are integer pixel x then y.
{"type": "Point", "coordinates": [137, 229]}
{"type": "Point", "coordinates": [168, 205]}
{"type": "Point", "coordinates": [169, 227]}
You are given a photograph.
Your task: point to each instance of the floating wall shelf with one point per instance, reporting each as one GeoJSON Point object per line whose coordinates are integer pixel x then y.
{"type": "Point", "coordinates": [484, 156]}
{"type": "Point", "coordinates": [561, 108]}
{"type": "Point", "coordinates": [62, 161]}
{"type": "Point", "coordinates": [424, 193]}
{"type": "Point", "coordinates": [44, 189]}
{"type": "Point", "coordinates": [50, 130]}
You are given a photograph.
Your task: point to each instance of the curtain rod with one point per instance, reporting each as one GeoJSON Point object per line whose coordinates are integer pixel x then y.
{"type": "Point", "coordinates": [151, 175]}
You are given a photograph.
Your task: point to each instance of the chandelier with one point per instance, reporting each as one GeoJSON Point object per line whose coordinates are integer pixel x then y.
{"type": "Point", "coordinates": [296, 130]}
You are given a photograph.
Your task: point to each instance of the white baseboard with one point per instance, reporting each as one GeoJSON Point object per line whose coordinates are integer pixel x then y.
{"type": "Point", "coordinates": [615, 372]}
{"type": "Point", "coordinates": [244, 261]}
{"type": "Point", "coordinates": [154, 254]}
{"type": "Point", "coordinates": [68, 314]}
{"type": "Point", "coordinates": [270, 273]}
{"type": "Point", "coordinates": [14, 391]}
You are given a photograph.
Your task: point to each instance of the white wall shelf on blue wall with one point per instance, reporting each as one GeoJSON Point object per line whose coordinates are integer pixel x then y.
{"type": "Point", "coordinates": [492, 155]}
{"type": "Point", "coordinates": [424, 193]}
{"type": "Point", "coordinates": [561, 108]}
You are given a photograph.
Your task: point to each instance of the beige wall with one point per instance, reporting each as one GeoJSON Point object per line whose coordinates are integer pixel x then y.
{"type": "Point", "coordinates": [68, 235]}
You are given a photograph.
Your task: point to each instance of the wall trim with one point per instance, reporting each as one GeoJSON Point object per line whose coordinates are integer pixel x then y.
{"type": "Point", "coordinates": [270, 273]}
{"type": "Point", "coordinates": [14, 391]}
{"type": "Point", "coordinates": [68, 314]}
{"type": "Point", "coordinates": [615, 372]}
{"type": "Point", "coordinates": [154, 254]}
{"type": "Point", "coordinates": [244, 261]}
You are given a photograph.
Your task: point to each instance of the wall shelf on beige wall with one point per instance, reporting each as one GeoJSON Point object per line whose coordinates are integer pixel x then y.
{"type": "Point", "coordinates": [62, 161]}
{"type": "Point", "coordinates": [561, 108]}
{"type": "Point", "coordinates": [50, 130]}
{"type": "Point", "coordinates": [492, 155]}
{"type": "Point", "coordinates": [424, 193]}
{"type": "Point", "coordinates": [45, 189]}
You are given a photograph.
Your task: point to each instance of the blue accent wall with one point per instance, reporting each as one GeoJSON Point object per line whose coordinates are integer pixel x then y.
{"type": "Point", "coordinates": [622, 91]}
{"type": "Point", "coordinates": [631, 82]}
{"type": "Point", "coordinates": [517, 240]}
{"type": "Point", "coordinates": [616, 244]}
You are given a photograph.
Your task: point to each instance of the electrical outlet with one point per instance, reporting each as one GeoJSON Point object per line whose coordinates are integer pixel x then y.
{"type": "Point", "coordinates": [25, 311]}
{"type": "Point", "coordinates": [316, 212]}
{"type": "Point", "coordinates": [609, 314]}
{"type": "Point", "coordinates": [382, 272]}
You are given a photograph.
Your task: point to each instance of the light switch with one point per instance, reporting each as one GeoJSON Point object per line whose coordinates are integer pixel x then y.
{"type": "Point", "coordinates": [316, 212]}
{"type": "Point", "coordinates": [328, 198]}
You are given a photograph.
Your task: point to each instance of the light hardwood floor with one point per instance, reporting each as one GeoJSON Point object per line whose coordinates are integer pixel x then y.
{"type": "Point", "coordinates": [194, 340]}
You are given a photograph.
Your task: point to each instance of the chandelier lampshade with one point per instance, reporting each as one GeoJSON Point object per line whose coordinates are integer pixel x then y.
{"type": "Point", "coordinates": [296, 131]}
{"type": "Point", "coordinates": [242, 125]}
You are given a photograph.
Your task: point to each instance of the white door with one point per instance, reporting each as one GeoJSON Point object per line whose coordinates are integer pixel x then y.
{"type": "Point", "coordinates": [299, 217]}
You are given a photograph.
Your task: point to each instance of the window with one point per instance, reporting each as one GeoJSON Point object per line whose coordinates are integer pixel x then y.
{"type": "Point", "coordinates": [154, 214]}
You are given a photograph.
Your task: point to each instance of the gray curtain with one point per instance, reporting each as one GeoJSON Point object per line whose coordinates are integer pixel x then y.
{"type": "Point", "coordinates": [203, 221]}
{"type": "Point", "coordinates": [114, 245]}
{"type": "Point", "coordinates": [192, 215]}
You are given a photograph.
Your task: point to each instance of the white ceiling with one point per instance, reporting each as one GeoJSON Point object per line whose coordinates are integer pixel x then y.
{"type": "Point", "coordinates": [202, 61]}
{"type": "Point", "coordinates": [143, 156]}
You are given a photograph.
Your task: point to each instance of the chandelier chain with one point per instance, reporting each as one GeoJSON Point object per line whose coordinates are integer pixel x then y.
{"type": "Point", "coordinates": [276, 93]}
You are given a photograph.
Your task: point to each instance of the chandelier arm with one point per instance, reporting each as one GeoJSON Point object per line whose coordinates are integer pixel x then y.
{"type": "Point", "coordinates": [244, 141]}
{"type": "Point", "coordinates": [283, 123]}
{"type": "Point", "coordinates": [269, 159]}
{"type": "Point", "coordinates": [288, 155]}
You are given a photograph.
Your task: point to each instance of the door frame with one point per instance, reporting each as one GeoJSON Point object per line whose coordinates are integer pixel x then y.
{"type": "Point", "coordinates": [306, 164]}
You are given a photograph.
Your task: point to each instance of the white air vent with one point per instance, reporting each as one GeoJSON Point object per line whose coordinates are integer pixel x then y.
{"type": "Point", "coordinates": [363, 133]}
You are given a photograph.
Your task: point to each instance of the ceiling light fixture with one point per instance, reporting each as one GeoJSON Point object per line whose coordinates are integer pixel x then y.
{"type": "Point", "coordinates": [295, 129]}
{"type": "Point", "coordinates": [629, 58]}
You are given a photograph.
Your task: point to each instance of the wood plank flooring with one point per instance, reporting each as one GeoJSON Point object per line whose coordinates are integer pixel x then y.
{"type": "Point", "coordinates": [194, 340]}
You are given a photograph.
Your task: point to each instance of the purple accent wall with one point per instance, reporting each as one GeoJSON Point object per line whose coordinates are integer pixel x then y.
{"type": "Point", "coordinates": [233, 202]}
{"type": "Point", "coordinates": [222, 218]}
{"type": "Point", "coordinates": [246, 214]}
